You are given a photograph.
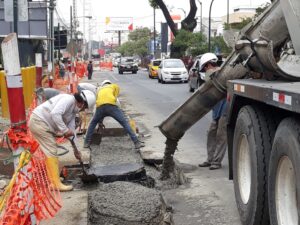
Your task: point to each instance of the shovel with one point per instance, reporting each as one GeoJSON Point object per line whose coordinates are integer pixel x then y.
{"type": "Point", "coordinates": [85, 177]}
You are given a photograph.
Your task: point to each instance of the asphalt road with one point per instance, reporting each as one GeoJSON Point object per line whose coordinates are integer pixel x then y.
{"type": "Point", "coordinates": [209, 198]}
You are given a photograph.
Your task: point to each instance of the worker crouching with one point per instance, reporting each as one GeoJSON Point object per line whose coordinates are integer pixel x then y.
{"type": "Point", "coordinates": [57, 117]}
{"type": "Point", "coordinates": [106, 104]}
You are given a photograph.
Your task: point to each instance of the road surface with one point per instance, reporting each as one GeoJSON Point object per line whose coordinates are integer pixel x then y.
{"type": "Point", "coordinates": [209, 198]}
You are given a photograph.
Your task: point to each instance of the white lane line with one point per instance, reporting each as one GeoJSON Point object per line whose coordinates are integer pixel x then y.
{"type": "Point", "coordinates": [114, 77]}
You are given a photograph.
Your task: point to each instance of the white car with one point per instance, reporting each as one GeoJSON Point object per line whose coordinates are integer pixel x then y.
{"type": "Point", "coordinates": [172, 70]}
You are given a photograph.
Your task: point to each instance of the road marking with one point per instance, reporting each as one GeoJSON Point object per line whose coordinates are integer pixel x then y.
{"type": "Point", "coordinates": [114, 77]}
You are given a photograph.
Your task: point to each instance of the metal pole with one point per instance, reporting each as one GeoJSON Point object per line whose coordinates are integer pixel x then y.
{"type": "Point", "coordinates": [228, 12]}
{"type": "Point", "coordinates": [200, 3]}
{"type": "Point", "coordinates": [90, 44]}
{"type": "Point", "coordinates": [15, 4]}
{"type": "Point", "coordinates": [119, 36]}
{"type": "Point", "coordinates": [154, 38]}
{"type": "Point", "coordinates": [51, 28]}
{"type": "Point", "coordinates": [83, 28]}
{"type": "Point", "coordinates": [201, 18]}
{"type": "Point", "coordinates": [71, 34]}
{"type": "Point", "coordinates": [209, 25]}
{"type": "Point", "coordinates": [58, 55]}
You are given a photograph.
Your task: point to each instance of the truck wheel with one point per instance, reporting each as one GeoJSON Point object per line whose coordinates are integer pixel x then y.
{"type": "Point", "coordinates": [284, 174]}
{"type": "Point", "coordinates": [252, 144]}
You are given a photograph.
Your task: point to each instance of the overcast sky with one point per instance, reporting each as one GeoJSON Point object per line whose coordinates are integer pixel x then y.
{"type": "Point", "coordinates": [141, 12]}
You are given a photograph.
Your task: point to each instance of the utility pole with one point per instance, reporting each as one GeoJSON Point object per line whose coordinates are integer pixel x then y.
{"type": "Point", "coordinates": [154, 33]}
{"type": "Point", "coordinates": [90, 44]}
{"type": "Point", "coordinates": [209, 25]}
{"type": "Point", "coordinates": [16, 17]}
{"type": "Point", "coordinates": [58, 28]}
{"type": "Point", "coordinates": [51, 37]}
{"type": "Point", "coordinates": [71, 35]}
{"type": "Point", "coordinates": [200, 3]}
{"type": "Point", "coordinates": [119, 36]}
{"type": "Point", "coordinates": [228, 12]}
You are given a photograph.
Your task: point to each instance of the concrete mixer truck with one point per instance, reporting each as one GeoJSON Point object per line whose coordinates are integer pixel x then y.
{"type": "Point", "coordinates": [261, 79]}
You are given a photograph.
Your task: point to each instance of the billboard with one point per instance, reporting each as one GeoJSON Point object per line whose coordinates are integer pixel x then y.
{"type": "Point", "coordinates": [119, 23]}
{"type": "Point", "coordinates": [35, 27]}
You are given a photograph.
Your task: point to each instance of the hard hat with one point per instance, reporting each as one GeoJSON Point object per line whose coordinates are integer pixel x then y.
{"type": "Point", "coordinates": [105, 82]}
{"type": "Point", "coordinates": [207, 57]}
{"type": "Point", "coordinates": [88, 98]}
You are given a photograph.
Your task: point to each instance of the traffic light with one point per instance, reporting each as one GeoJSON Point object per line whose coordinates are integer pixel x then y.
{"type": "Point", "coordinates": [60, 41]}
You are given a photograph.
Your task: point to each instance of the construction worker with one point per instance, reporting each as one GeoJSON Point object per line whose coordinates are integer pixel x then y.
{"type": "Point", "coordinates": [216, 136]}
{"type": "Point", "coordinates": [87, 86]}
{"type": "Point", "coordinates": [57, 116]}
{"type": "Point", "coordinates": [106, 104]}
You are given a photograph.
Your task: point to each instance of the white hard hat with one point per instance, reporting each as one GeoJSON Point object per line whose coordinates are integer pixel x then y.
{"type": "Point", "coordinates": [105, 82]}
{"type": "Point", "coordinates": [89, 98]}
{"type": "Point", "coordinates": [207, 57]}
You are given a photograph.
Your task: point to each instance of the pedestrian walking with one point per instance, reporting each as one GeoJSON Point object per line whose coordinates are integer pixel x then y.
{"type": "Point", "coordinates": [90, 70]}
{"type": "Point", "coordinates": [62, 69]}
{"type": "Point", "coordinates": [106, 105]}
{"type": "Point", "coordinates": [57, 116]}
{"type": "Point", "coordinates": [216, 136]}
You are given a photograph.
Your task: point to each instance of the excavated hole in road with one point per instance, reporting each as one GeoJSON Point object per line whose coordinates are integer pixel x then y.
{"type": "Point", "coordinates": [128, 191]}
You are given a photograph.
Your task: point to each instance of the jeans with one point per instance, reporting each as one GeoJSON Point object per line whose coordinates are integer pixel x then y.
{"type": "Point", "coordinates": [114, 112]}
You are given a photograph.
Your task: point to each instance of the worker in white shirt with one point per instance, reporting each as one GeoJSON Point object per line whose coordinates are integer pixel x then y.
{"type": "Point", "coordinates": [57, 116]}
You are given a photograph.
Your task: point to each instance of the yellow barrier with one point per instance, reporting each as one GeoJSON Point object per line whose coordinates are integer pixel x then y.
{"type": "Point", "coordinates": [28, 78]}
{"type": "Point", "coordinates": [4, 100]}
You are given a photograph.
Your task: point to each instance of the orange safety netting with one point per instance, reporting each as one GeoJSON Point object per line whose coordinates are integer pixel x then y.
{"type": "Point", "coordinates": [106, 66]}
{"type": "Point", "coordinates": [30, 195]}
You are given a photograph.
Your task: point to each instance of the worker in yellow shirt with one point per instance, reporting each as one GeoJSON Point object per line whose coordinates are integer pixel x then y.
{"type": "Point", "coordinates": [106, 106]}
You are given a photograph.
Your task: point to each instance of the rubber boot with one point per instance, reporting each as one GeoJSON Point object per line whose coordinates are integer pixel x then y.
{"type": "Point", "coordinates": [53, 174]}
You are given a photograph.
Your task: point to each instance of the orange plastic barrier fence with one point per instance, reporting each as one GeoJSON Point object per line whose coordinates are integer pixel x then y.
{"type": "Point", "coordinates": [30, 192]}
{"type": "Point", "coordinates": [106, 66]}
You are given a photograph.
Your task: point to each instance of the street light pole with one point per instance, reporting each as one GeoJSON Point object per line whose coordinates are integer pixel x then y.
{"type": "Point", "coordinates": [200, 15]}
{"type": "Point", "coordinates": [209, 25]}
{"type": "Point", "coordinates": [154, 31]}
{"type": "Point", "coordinates": [228, 12]}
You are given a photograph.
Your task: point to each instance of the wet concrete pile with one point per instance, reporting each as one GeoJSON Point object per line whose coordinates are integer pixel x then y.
{"type": "Point", "coordinates": [131, 201]}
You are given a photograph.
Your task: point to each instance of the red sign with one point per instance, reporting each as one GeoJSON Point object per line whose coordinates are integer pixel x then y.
{"type": "Point", "coordinates": [101, 52]}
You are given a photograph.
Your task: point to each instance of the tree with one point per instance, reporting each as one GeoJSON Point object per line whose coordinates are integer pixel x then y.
{"type": "Point", "coordinates": [189, 23]}
{"type": "Point", "coordinates": [218, 45]}
{"type": "Point", "coordinates": [195, 43]}
{"type": "Point", "coordinates": [137, 43]}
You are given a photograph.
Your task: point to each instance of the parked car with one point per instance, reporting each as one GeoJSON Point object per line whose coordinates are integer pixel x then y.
{"type": "Point", "coordinates": [127, 64]}
{"type": "Point", "coordinates": [172, 70]}
{"type": "Point", "coordinates": [153, 67]}
{"type": "Point", "coordinates": [196, 78]}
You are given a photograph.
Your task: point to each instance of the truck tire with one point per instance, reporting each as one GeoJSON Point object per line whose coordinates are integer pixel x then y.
{"type": "Point", "coordinates": [284, 174]}
{"type": "Point", "coordinates": [252, 143]}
